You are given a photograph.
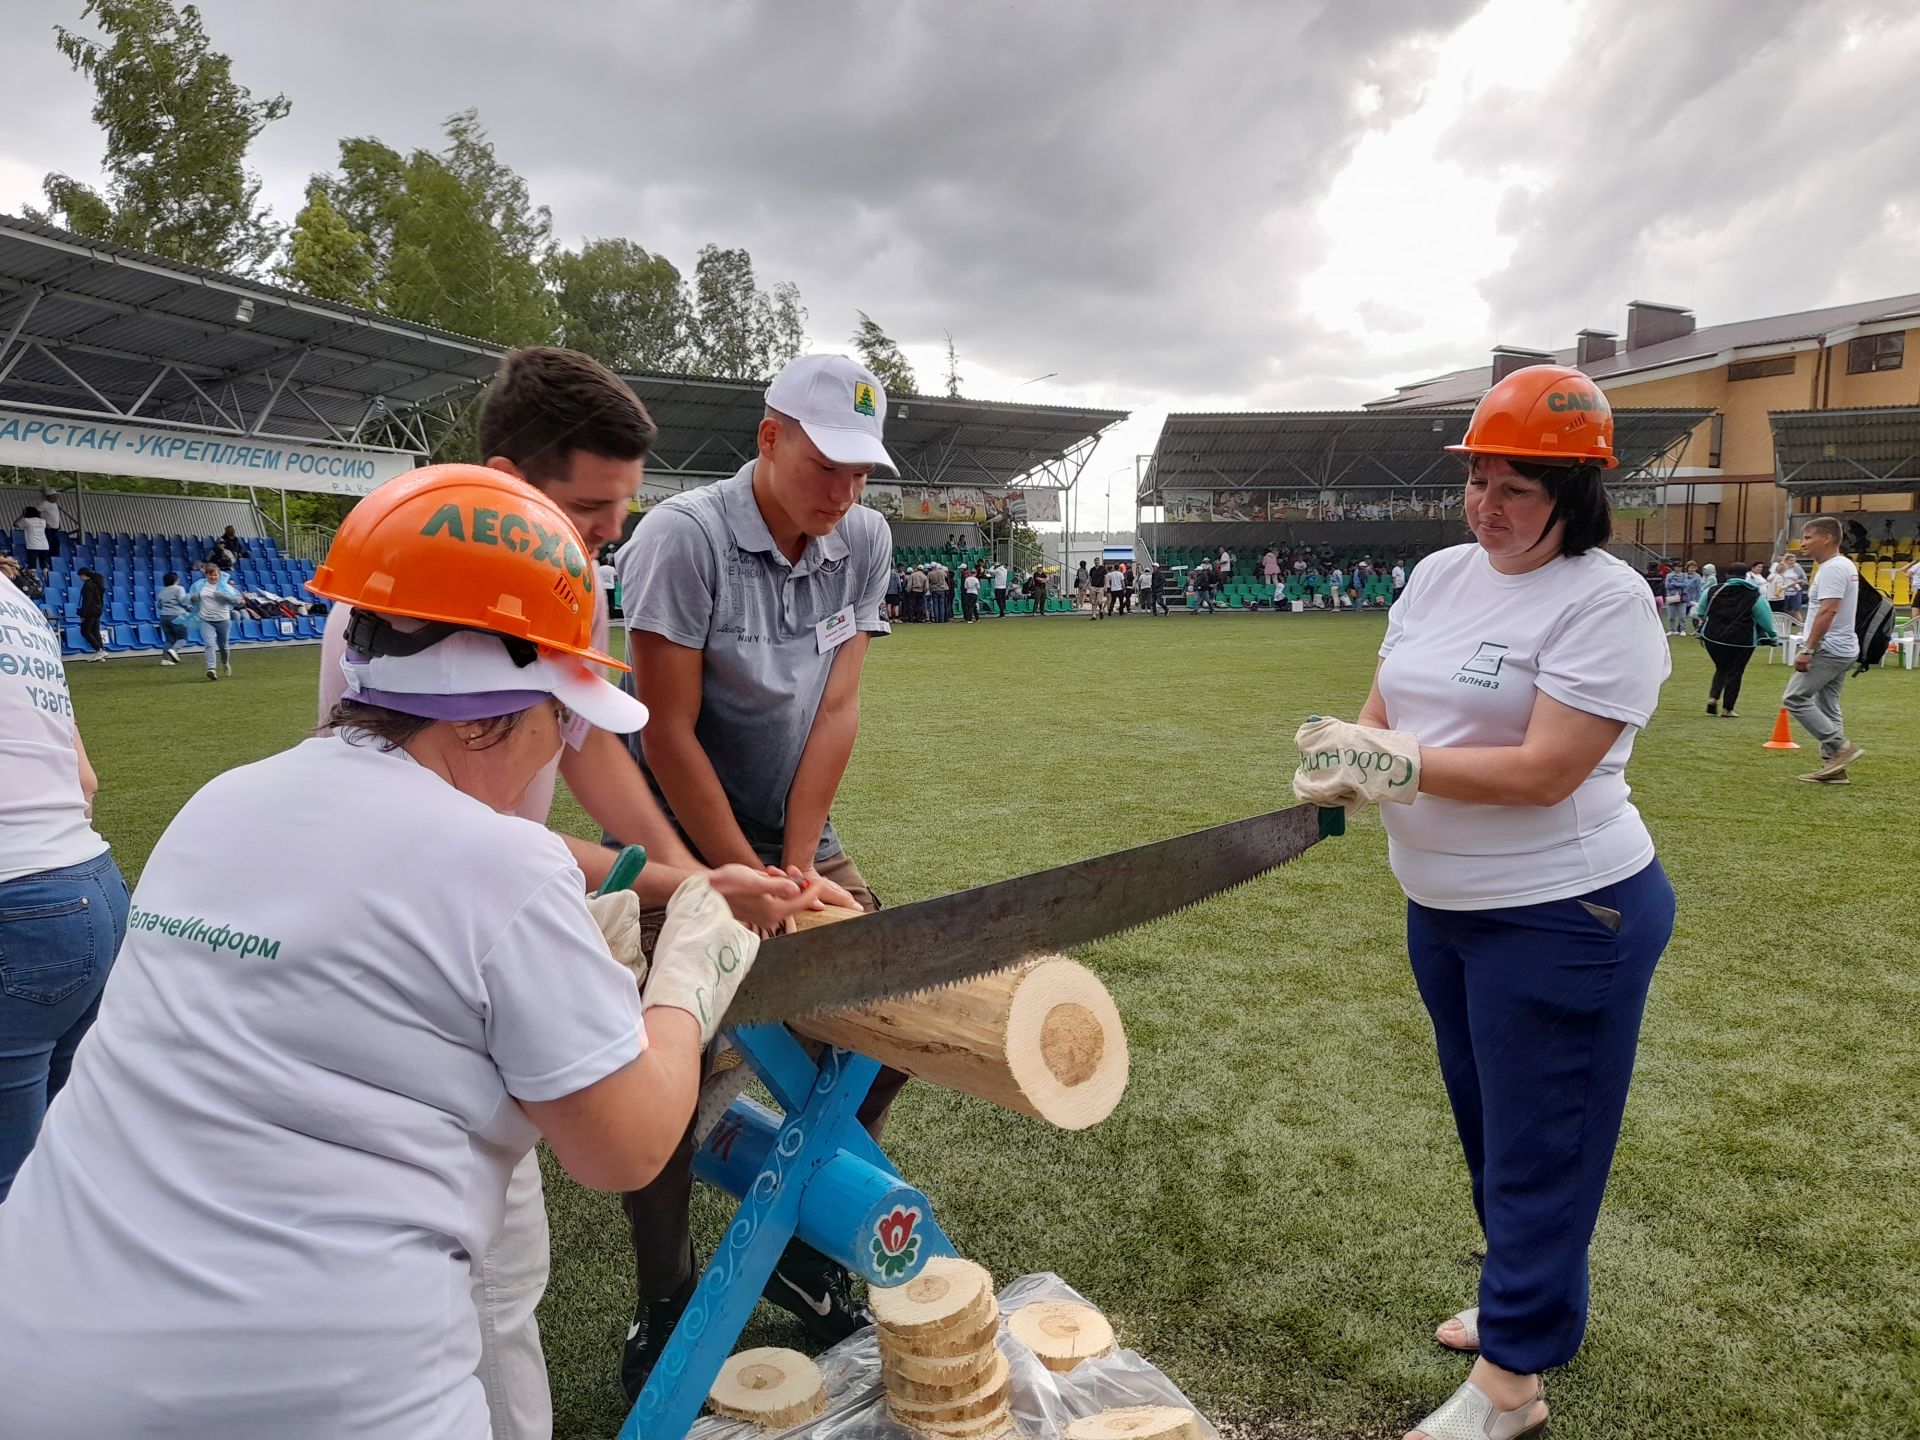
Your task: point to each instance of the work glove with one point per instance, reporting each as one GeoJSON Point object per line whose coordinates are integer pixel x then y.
{"type": "Point", "coordinates": [701, 957]}
{"type": "Point", "coordinates": [1355, 765]}
{"type": "Point", "coordinates": [618, 916]}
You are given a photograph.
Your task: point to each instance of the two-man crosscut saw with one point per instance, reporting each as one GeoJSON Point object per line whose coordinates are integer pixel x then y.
{"type": "Point", "coordinates": [944, 941]}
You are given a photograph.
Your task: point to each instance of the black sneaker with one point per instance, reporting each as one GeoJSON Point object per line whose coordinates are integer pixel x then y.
{"type": "Point", "coordinates": [817, 1292]}
{"type": "Point", "coordinates": [653, 1322]}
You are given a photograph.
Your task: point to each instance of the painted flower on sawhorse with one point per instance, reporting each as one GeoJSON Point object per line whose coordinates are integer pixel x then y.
{"type": "Point", "coordinates": [895, 1245]}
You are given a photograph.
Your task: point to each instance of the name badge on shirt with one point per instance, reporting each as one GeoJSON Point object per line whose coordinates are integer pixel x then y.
{"type": "Point", "coordinates": [835, 630]}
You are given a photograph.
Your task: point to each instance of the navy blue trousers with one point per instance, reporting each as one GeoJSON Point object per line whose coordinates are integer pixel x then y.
{"type": "Point", "coordinates": [1536, 1013]}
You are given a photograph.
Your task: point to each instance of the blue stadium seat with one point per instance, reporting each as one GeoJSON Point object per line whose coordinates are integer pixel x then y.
{"type": "Point", "coordinates": [70, 641]}
{"type": "Point", "coordinates": [120, 637]}
{"type": "Point", "coordinates": [149, 636]}
{"type": "Point", "coordinates": [250, 630]}
{"type": "Point", "coordinates": [310, 626]}
{"type": "Point", "coordinates": [285, 628]}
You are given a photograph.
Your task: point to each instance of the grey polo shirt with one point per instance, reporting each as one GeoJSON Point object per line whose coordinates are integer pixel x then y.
{"type": "Point", "coordinates": [702, 570]}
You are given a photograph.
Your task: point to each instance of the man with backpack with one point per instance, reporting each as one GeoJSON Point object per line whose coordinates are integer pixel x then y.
{"type": "Point", "coordinates": [1731, 619]}
{"type": "Point", "coordinates": [1831, 648]}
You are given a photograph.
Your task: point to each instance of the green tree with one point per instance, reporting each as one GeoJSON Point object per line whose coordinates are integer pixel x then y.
{"type": "Point", "coordinates": [880, 355]}
{"type": "Point", "coordinates": [741, 331]}
{"type": "Point", "coordinates": [628, 309]}
{"type": "Point", "coordinates": [326, 257]}
{"type": "Point", "coordinates": [453, 237]}
{"type": "Point", "coordinates": [177, 127]}
{"type": "Point", "coordinates": [953, 369]}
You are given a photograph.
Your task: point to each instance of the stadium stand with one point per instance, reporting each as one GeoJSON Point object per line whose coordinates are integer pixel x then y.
{"type": "Point", "coordinates": [133, 566]}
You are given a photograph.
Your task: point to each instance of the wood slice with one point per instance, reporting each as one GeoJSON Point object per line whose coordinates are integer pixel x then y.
{"type": "Point", "coordinates": [1138, 1422]}
{"type": "Point", "coordinates": [1044, 1039]}
{"type": "Point", "coordinates": [977, 1404]}
{"type": "Point", "coordinates": [1060, 1333]}
{"type": "Point", "coordinates": [772, 1388]}
{"type": "Point", "coordinates": [826, 915]}
{"type": "Point", "coordinates": [940, 1347]}
{"type": "Point", "coordinates": [944, 1297]}
{"type": "Point", "coordinates": [992, 1426]}
{"type": "Point", "coordinates": [949, 1370]}
{"type": "Point", "coordinates": [948, 1389]}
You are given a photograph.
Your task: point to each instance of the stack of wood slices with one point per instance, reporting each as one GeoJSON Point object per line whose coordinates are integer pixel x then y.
{"type": "Point", "coordinates": [944, 1374]}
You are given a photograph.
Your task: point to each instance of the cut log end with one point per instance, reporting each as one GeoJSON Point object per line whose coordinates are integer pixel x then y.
{"type": "Point", "coordinates": [948, 1294]}
{"type": "Point", "coordinates": [1138, 1422]}
{"type": "Point", "coordinates": [1061, 1334]}
{"type": "Point", "coordinates": [769, 1387]}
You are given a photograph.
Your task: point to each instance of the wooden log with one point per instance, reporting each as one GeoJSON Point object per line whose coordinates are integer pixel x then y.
{"type": "Point", "coordinates": [1060, 1333]}
{"type": "Point", "coordinates": [1138, 1422]}
{"type": "Point", "coordinates": [950, 1345]}
{"type": "Point", "coordinates": [771, 1388]}
{"type": "Point", "coordinates": [986, 1398]}
{"type": "Point", "coordinates": [953, 1372]}
{"type": "Point", "coordinates": [1044, 1040]}
{"type": "Point", "coordinates": [948, 1294]}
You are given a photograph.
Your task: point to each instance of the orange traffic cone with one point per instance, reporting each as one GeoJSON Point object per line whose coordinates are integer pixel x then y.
{"type": "Point", "coordinates": [1782, 736]}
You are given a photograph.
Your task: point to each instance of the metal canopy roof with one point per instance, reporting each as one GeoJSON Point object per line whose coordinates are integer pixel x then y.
{"type": "Point", "coordinates": [1363, 449]}
{"type": "Point", "coordinates": [1847, 452]}
{"type": "Point", "coordinates": [707, 429]}
{"type": "Point", "coordinates": [89, 328]}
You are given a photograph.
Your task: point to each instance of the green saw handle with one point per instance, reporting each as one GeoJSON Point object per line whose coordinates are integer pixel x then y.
{"type": "Point", "coordinates": [626, 869]}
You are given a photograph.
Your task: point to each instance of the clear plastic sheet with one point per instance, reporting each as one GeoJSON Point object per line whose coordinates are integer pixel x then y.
{"type": "Point", "coordinates": [1043, 1402]}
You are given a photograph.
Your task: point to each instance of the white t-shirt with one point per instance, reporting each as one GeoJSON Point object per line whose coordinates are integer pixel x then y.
{"type": "Point", "coordinates": [999, 577]}
{"type": "Point", "coordinates": [33, 529]}
{"type": "Point", "coordinates": [1837, 579]}
{"type": "Point", "coordinates": [50, 512]}
{"type": "Point", "coordinates": [973, 584]}
{"type": "Point", "coordinates": [609, 577]}
{"type": "Point", "coordinates": [1913, 578]}
{"type": "Point", "coordinates": [1467, 651]}
{"type": "Point", "coordinates": [1399, 576]}
{"type": "Point", "coordinates": [251, 1209]}
{"type": "Point", "coordinates": [1116, 579]}
{"type": "Point", "coordinates": [43, 813]}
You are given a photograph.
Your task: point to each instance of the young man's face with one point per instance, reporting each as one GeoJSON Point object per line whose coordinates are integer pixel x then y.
{"type": "Point", "coordinates": [1819, 544]}
{"type": "Point", "coordinates": [595, 491]}
{"type": "Point", "coordinates": [815, 493]}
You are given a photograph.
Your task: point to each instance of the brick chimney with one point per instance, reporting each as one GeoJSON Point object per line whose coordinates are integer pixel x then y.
{"type": "Point", "coordinates": [1592, 345]}
{"type": "Point", "coordinates": [1650, 324]}
{"type": "Point", "coordinates": [1509, 358]}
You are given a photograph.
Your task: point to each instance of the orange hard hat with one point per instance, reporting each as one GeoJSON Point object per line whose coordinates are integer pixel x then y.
{"type": "Point", "coordinates": [468, 546]}
{"type": "Point", "coordinates": [1543, 413]}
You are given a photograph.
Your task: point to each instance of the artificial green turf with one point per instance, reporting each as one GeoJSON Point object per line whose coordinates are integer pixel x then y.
{"type": "Point", "coordinates": [1277, 1214]}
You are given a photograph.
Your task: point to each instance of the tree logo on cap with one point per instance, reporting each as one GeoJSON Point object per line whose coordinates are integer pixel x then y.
{"type": "Point", "coordinates": [863, 397]}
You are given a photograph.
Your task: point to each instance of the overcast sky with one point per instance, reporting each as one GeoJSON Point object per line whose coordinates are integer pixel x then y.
{"type": "Point", "coordinates": [1200, 205]}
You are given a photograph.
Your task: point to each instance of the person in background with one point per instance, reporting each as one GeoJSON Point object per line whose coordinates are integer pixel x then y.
{"type": "Point", "coordinates": [1337, 583]}
{"type": "Point", "coordinates": [1097, 587]}
{"type": "Point", "coordinates": [1223, 567]}
{"type": "Point", "coordinates": [1695, 587]}
{"type": "Point", "coordinates": [1732, 618]}
{"type": "Point", "coordinates": [1399, 578]}
{"type": "Point", "coordinates": [34, 527]}
{"type": "Point", "coordinates": [609, 579]}
{"type": "Point", "coordinates": [896, 582]}
{"type": "Point", "coordinates": [939, 593]}
{"type": "Point", "coordinates": [1037, 592]}
{"type": "Point", "coordinates": [970, 592]}
{"type": "Point", "coordinates": [1116, 587]}
{"type": "Point", "coordinates": [1202, 581]}
{"type": "Point", "coordinates": [1674, 589]}
{"type": "Point", "coordinates": [50, 512]}
{"type": "Point", "coordinates": [26, 581]}
{"type": "Point", "coordinates": [1913, 598]}
{"type": "Point", "coordinates": [916, 594]}
{"type": "Point", "coordinates": [213, 601]}
{"type": "Point", "coordinates": [63, 903]}
{"type": "Point", "coordinates": [1830, 650]}
{"type": "Point", "coordinates": [1081, 586]}
{"type": "Point", "coordinates": [170, 603]}
{"type": "Point", "coordinates": [233, 545]}
{"type": "Point", "coordinates": [1793, 586]}
{"type": "Point", "coordinates": [1270, 566]}
{"type": "Point", "coordinates": [1143, 575]}
{"type": "Point", "coordinates": [998, 577]}
{"type": "Point", "coordinates": [93, 602]}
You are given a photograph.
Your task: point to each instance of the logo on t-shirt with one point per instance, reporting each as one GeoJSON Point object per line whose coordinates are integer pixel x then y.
{"type": "Point", "coordinates": [863, 397]}
{"type": "Point", "coordinates": [1484, 665]}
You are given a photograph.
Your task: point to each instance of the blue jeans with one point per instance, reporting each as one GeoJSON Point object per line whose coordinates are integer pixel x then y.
{"type": "Point", "coordinates": [59, 932]}
{"type": "Point", "coordinates": [212, 631]}
{"type": "Point", "coordinates": [1536, 1013]}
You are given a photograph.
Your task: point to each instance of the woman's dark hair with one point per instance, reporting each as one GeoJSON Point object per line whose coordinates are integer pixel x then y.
{"type": "Point", "coordinates": [1579, 498]}
{"type": "Point", "coordinates": [32, 512]}
{"type": "Point", "coordinates": [391, 729]}
{"type": "Point", "coordinates": [170, 578]}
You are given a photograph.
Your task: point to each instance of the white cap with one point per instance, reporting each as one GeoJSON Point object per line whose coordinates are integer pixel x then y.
{"type": "Point", "coordinates": [840, 405]}
{"type": "Point", "coordinates": [470, 676]}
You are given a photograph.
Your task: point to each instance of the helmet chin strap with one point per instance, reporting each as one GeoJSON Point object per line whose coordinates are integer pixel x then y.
{"type": "Point", "coordinates": [370, 633]}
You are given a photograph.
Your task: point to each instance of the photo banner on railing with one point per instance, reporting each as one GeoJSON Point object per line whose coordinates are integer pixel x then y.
{"type": "Point", "coordinates": [123, 447]}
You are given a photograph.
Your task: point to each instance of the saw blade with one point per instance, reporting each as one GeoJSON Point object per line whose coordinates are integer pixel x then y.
{"type": "Point", "coordinates": [943, 941]}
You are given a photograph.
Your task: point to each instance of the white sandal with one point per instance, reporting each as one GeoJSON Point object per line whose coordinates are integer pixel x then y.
{"type": "Point", "coordinates": [1469, 1415]}
{"type": "Point", "coordinates": [1469, 1321]}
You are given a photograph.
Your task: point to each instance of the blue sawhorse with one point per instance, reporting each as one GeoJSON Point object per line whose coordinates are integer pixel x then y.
{"type": "Point", "coordinates": [812, 1172]}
